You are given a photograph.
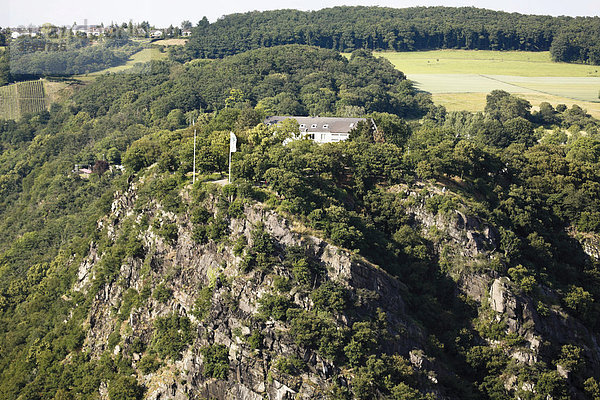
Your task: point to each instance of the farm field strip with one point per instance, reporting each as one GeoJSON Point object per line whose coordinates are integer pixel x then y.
{"type": "Point", "coordinates": [460, 79]}
{"type": "Point", "coordinates": [170, 42]}
{"type": "Point", "coordinates": [576, 88]}
{"type": "Point", "coordinates": [461, 83]}
{"type": "Point", "coordinates": [516, 63]}
{"type": "Point", "coordinates": [475, 102]}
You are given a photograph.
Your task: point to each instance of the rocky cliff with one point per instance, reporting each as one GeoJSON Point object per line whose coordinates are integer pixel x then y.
{"type": "Point", "coordinates": [182, 268]}
{"type": "Point", "coordinates": [218, 316]}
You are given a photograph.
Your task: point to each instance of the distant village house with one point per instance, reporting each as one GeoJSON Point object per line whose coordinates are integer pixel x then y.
{"type": "Point", "coordinates": [88, 30]}
{"type": "Point", "coordinates": [32, 31]}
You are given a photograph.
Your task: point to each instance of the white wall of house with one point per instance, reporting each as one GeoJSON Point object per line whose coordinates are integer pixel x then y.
{"type": "Point", "coordinates": [325, 137]}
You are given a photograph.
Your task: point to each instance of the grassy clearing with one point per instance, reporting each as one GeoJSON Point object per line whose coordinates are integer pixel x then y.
{"type": "Point", "coordinates": [141, 56]}
{"type": "Point", "coordinates": [517, 63]}
{"type": "Point", "coordinates": [575, 88]}
{"type": "Point", "coordinates": [58, 90]}
{"type": "Point", "coordinates": [476, 101]}
{"type": "Point", "coordinates": [170, 42]}
{"type": "Point", "coordinates": [460, 79]}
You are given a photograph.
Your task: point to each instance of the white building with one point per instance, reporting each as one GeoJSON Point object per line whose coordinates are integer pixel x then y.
{"type": "Point", "coordinates": [32, 31]}
{"type": "Point", "coordinates": [321, 129]}
{"type": "Point", "coordinates": [88, 30]}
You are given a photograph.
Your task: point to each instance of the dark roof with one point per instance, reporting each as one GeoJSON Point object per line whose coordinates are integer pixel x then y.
{"type": "Point", "coordinates": [321, 124]}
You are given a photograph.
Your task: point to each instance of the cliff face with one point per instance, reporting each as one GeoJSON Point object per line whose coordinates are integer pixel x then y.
{"type": "Point", "coordinates": [183, 268]}
{"type": "Point", "coordinates": [168, 275]}
{"type": "Point", "coordinates": [467, 243]}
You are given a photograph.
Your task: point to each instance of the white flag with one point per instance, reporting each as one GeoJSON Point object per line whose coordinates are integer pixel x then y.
{"type": "Point", "coordinates": [232, 142]}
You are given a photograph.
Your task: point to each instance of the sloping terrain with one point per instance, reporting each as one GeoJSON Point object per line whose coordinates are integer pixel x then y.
{"type": "Point", "coordinates": [21, 98]}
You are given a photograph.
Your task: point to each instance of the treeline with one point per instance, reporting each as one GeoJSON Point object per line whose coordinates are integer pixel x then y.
{"type": "Point", "coordinates": [29, 58]}
{"type": "Point", "coordinates": [408, 29]}
{"type": "Point", "coordinates": [578, 42]}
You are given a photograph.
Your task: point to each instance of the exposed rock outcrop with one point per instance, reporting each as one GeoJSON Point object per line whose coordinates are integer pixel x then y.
{"type": "Point", "coordinates": [185, 267]}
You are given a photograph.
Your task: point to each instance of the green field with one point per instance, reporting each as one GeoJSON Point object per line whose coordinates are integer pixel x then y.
{"type": "Point", "coordinates": [22, 97]}
{"type": "Point", "coordinates": [460, 79]}
{"type": "Point", "coordinates": [141, 56]}
{"type": "Point", "coordinates": [517, 63]}
{"type": "Point", "coordinates": [476, 101]}
{"type": "Point", "coordinates": [575, 88]}
{"type": "Point", "coordinates": [170, 42]}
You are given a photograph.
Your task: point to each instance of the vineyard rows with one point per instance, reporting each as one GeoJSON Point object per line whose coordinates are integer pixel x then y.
{"type": "Point", "coordinates": [21, 98]}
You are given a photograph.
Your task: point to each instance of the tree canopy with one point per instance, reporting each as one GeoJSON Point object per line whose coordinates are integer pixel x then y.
{"type": "Point", "coordinates": [406, 29]}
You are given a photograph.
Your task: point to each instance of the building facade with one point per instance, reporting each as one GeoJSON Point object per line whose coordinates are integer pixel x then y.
{"type": "Point", "coordinates": [321, 129]}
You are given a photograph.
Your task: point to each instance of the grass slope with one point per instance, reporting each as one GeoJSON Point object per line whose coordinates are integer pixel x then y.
{"type": "Point", "coordinates": [476, 101]}
{"type": "Point", "coordinates": [461, 79]}
{"type": "Point", "coordinates": [486, 62]}
{"type": "Point", "coordinates": [141, 56]}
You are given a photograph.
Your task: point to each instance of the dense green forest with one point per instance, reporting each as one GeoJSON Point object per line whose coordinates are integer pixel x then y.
{"type": "Point", "coordinates": [534, 176]}
{"type": "Point", "coordinates": [120, 108]}
{"type": "Point", "coordinates": [30, 58]}
{"type": "Point", "coordinates": [377, 28]}
{"type": "Point", "coordinates": [292, 80]}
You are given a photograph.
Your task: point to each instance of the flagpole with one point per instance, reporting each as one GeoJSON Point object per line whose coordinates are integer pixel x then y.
{"type": "Point", "coordinates": [232, 149]}
{"type": "Point", "coordinates": [194, 168]}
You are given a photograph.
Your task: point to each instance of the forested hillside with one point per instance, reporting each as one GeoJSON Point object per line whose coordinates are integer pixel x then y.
{"type": "Point", "coordinates": [295, 80]}
{"type": "Point", "coordinates": [447, 255]}
{"type": "Point", "coordinates": [407, 29]}
{"type": "Point", "coordinates": [40, 150]}
{"type": "Point", "coordinates": [30, 58]}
